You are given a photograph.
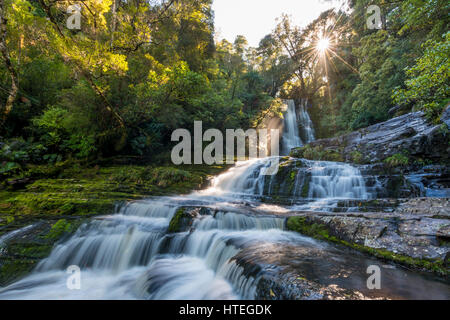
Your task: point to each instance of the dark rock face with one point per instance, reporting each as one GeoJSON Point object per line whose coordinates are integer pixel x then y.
{"type": "Point", "coordinates": [327, 272]}
{"type": "Point", "coordinates": [410, 132]}
{"type": "Point", "coordinates": [407, 182]}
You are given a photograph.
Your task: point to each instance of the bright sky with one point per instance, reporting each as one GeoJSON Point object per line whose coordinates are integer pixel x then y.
{"type": "Point", "coordinates": [256, 18]}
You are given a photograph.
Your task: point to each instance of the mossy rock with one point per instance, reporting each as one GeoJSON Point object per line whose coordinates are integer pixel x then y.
{"type": "Point", "coordinates": [318, 153]}
{"type": "Point", "coordinates": [305, 188]}
{"type": "Point", "coordinates": [306, 226]}
{"type": "Point", "coordinates": [181, 221]}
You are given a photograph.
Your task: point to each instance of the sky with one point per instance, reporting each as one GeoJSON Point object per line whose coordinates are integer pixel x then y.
{"type": "Point", "coordinates": [256, 18]}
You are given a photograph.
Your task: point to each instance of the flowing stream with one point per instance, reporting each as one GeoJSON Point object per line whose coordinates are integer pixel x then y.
{"type": "Point", "coordinates": [230, 247]}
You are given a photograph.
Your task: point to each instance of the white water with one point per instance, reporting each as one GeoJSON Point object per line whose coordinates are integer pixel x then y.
{"type": "Point", "coordinates": [336, 180]}
{"type": "Point", "coordinates": [130, 255]}
{"type": "Point", "coordinates": [307, 129]}
{"type": "Point", "coordinates": [298, 128]}
{"type": "Point", "coordinates": [291, 136]}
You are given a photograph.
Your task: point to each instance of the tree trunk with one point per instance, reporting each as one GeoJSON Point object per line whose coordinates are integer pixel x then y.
{"type": "Point", "coordinates": [114, 21]}
{"type": "Point", "coordinates": [7, 60]}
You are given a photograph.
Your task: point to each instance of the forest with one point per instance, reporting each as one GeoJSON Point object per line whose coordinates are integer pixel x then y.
{"type": "Point", "coordinates": [92, 91]}
{"type": "Point", "coordinates": [138, 69]}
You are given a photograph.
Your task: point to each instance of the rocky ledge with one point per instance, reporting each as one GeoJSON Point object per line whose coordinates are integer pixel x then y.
{"type": "Point", "coordinates": [415, 234]}
{"type": "Point", "coordinates": [410, 134]}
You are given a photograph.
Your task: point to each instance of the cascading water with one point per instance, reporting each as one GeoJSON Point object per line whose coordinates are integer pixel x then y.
{"type": "Point", "coordinates": [298, 128]}
{"type": "Point", "coordinates": [307, 133]}
{"type": "Point", "coordinates": [291, 136]}
{"type": "Point", "coordinates": [336, 180]}
{"type": "Point", "coordinates": [132, 254]}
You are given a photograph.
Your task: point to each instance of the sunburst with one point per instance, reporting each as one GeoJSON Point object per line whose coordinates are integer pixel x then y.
{"type": "Point", "coordinates": [323, 45]}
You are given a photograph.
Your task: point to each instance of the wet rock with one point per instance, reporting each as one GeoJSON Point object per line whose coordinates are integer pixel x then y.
{"type": "Point", "coordinates": [309, 272]}
{"type": "Point", "coordinates": [426, 207]}
{"type": "Point", "coordinates": [410, 132]}
{"type": "Point", "coordinates": [292, 182]}
{"type": "Point", "coordinates": [412, 235]}
{"type": "Point", "coordinates": [183, 219]}
{"type": "Point", "coordinates": [445, 118]}
{"type": "Point", "coordinates": [375, 205]}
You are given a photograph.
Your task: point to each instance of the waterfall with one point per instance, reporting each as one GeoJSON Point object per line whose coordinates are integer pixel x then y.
{"type": "Point", "coordinates": [298, 128]}
{"type": "Point", "coordinates": [307, 133]}
{"type": "Point", "coordinates": [336, 180]}
{"type": "Point", "coordinates": [246, 178]}
{"type": "Point", "coordinates": [131, 254]}
{"type": "Point", "coordinates": [220, 254]}
{"type": "Point", "coordinates": [291, 136]}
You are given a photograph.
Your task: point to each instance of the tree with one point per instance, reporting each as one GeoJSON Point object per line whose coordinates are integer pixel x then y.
{"type": "Point", "coordinates": [7, 61]}
{"type": "Point", "coordinates": [427, 86]}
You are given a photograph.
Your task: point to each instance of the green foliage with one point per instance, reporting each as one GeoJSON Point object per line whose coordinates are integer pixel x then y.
{"type": "Point", "coordinates": [397, 160]}
{"type": "Point", "coordinates": [127, 79]}
{"type": "Point", "coordinates": [317, 153]}
{"type": "Point", "coordinates": [428, 86]}
{"type": "Point", "coordinates": [357, 157]}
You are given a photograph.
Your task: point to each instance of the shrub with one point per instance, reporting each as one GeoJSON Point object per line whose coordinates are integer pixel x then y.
{"type": "Point", "coordinates": [357, 157]}
{"type": "Point", "coordinates": [317, 153]}
{"type": "Point", "coordinates": [397, 160]}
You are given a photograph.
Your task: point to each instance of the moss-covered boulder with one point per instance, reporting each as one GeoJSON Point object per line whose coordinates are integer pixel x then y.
{"type": "Point", "coordinates": [183, 219]}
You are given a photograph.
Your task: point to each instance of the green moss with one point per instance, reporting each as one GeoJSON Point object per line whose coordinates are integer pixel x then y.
{"type": "Point", "coordinates": [301, 225]}
{"type": "Point", "coordinates": [304, 226]}
{"type": "Point", "coordinates": [20, 258]}
{"type": "Point", "coordinates": [78, 191]}
{"type": "Point", "coordinates": [318, 153]}
{"type": "Point", "coordinates": [357, 157]}
{"type": "Point", "coordinates": [305, 188]}
{"type": "Point", "coordinates": [175, 223]}
{"type": "Point", "coordinates": [59, 228]}
{"type": "Point", "coordinates": [29, 250]}
{"type": "Point", "coordinates": [293, 175]}
{"type": "Point", "coordinates": [12, 270]}
{"type": "Point", "coordinates": [397, 160]}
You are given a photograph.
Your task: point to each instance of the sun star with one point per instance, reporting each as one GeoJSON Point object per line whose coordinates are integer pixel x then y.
{"type": "Point", "coordinates": [323, 44]}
